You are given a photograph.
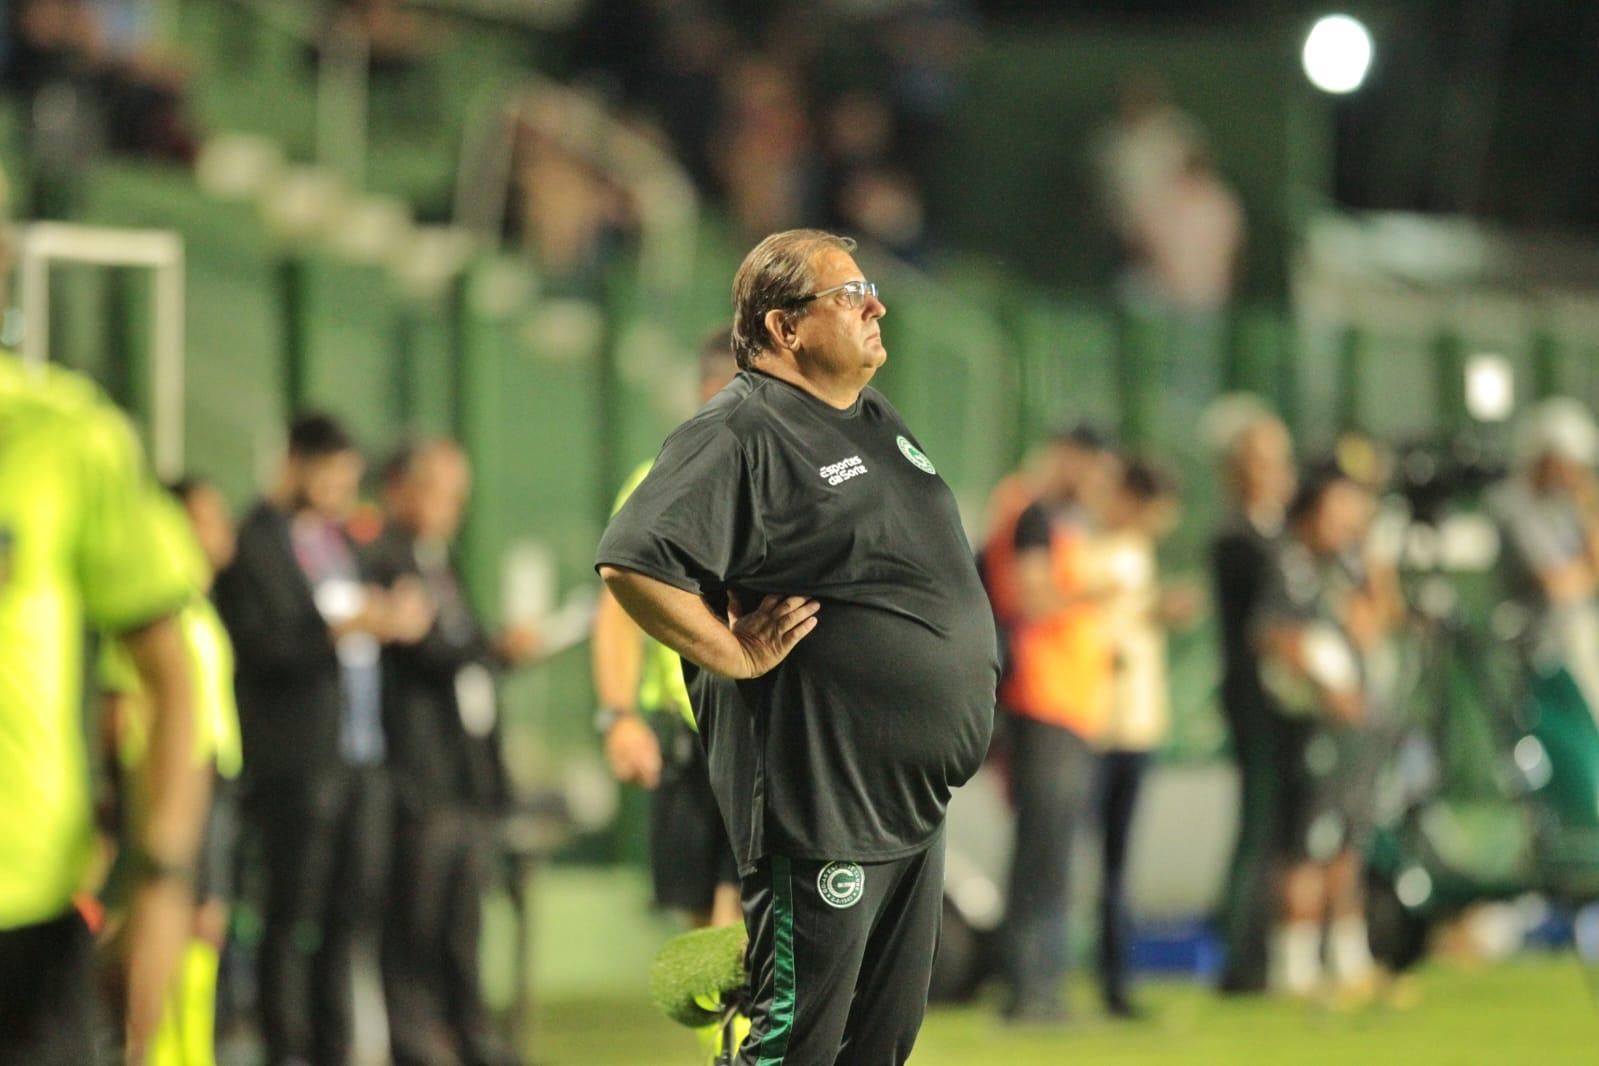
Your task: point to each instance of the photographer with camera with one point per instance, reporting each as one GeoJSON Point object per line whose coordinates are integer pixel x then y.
{"type": "Point", "coordinates": [1321, 628]}
{"type": "Point", "coordinates": [1548, 515]}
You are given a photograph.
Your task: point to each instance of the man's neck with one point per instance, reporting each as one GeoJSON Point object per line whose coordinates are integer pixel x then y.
{"type": "Point", "coordinates": [1265, 515]}
{"type": "Point", "coordinates": [840, 395]}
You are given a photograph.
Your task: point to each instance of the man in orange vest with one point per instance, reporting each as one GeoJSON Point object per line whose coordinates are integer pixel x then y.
{"type": "Point", "coordinates": [1047, 595]}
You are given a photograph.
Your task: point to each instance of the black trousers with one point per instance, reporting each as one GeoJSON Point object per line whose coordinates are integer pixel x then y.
{"type": "Point", "coordinates": [690, 855]}
{"type": "Point", "coordinates": [840, 958]}
{"type": "Point", "coordinates": [48, 1009]}
{"type": "Point", "coordinates": [1121, 778]}
{"type": "Point", "coordinates": [1247, 901]}
{"type": "Point", "coordinates": [324, 851]}
{"type": "Point", "coordinates": [443, 861]}
{"type": "Point", "coordinates": [1052, 786]}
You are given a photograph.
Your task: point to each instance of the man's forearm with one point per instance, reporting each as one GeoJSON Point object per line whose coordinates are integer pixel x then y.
{"type": "Point", "coordinates": [176, 785]}
{"type": "Point", "coordinates": [680, 620]}
{"type": "Point", "coordinates": [618, 654]}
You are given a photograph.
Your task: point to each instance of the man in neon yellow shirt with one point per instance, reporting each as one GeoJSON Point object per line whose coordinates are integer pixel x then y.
{"type": "Point", "coordinates": [205, 530]}
{"type": "Point", "coordinates": [659, 749]}
{"type": "Point", "coordinates": [79, 547]}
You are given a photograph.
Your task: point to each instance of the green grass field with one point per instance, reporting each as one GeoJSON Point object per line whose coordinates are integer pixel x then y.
{"type": "Point", "coordinates": [1535, 1010]}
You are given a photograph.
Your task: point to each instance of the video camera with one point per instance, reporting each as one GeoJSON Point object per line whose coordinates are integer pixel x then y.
{"type": "Point", "coordinates": [1435, 479]}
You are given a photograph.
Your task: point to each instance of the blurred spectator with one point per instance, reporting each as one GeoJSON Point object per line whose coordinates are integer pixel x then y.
{"type": "Point", "coordinates": [441, 717]}
{"type": "Point", "coordinates": [885, 206]}
{"type": "Point", "coordinates": [80, 544]}
{"type": "Point", "coordinates": [569, 214]}
{"type": "Point", "coordinates": [1139, 153]}
{"type": "Point", "coordinates": [396, 38]}
{"type": "Point", "coordinates": [686, 77]}
{"type": "Point", "coordinates": [1322, 617]}
{"type": "Point", "coordinates": [858, 132]}
{"type": "Point", "coordinates": [91, 74]}
{"type": "Point", "coordinates": [927, 45]}
{"type": "Point", "coordinates": [1056, 691]}
{"type": "Point", "coordinates": [1143, 510]}
{"type": "Point", "coordinates": [1548, 510]}
{"type": "Point", "coordinates": [307, 629]}
{"type": "Point", "coordinates": [865, 190]}
{"type": "Point", "coordinates": [205, 530]}
{"type": "Point", "coordinates": [1255, 454]}
{"type": "Point", "coordinates": [1187, 235]}
{"type": "Point", "coordinates": [1181, 229]}
{"type": "Point", "coordinates": [763, 152]}
{"type": "Point", "coordinates": [651, 737]}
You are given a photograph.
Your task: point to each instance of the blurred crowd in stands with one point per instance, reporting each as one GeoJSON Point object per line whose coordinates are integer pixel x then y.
{"type": "Point", "coordinates": [823, 114]}
{"type": "Point", "coordinates": [96, 76]}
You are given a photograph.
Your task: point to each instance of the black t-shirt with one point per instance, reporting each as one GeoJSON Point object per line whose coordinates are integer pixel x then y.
{"type": "Point", "coordinates": [1241, 559]}
{"type": "Point", "coordinates": [850, 747]}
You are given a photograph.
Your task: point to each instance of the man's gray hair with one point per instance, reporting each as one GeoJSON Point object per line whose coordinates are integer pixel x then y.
{"type": "Point", "coordinates": [1227, 419]}
{"type": "Point", "coordinates": [1560, 427]}
{"type": "Point", "coordinates": [402, 462]}
{"type": "Point", "coordinates": [775, 276]}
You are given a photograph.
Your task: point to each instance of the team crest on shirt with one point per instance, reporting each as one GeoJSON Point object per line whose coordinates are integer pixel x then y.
{"type": "Point", "coordinates": [916, 456]}
{"type": "Point", "coordinates": [841, 884]}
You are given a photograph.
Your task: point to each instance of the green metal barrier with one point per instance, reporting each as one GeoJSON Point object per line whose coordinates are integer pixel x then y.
{"type": "Point", "coordinates": [951, 374]}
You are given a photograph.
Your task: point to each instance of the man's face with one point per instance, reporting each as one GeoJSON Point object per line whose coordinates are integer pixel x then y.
{"type": "Point", "coordinates": [213, 525]}
{"type": "Point", "coordinates": [841, 340]}
{"type": "Point", "coordinates": [1340, 519]}
{"type": "Point", "coordinates": [1563, 474]}
{"type": "Point", "coordinates": [1265, 464]}
{"type": "Point", "coordinates": [329, 484]}
{"type": "Point", "coordinates": [436, 494]}
{"type": "Point", "coordinates": [1100, 479]}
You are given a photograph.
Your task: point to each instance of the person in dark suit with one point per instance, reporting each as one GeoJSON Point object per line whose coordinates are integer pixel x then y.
{"type": "Point", "coordinates": [1257, 459]}
{"type": "Point", "coordinates": [306, 628]}
{"type": "Point", "coordinates": [440, 718]}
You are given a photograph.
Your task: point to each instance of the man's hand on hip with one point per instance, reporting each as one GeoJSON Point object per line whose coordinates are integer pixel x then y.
{"type": "Point", "coordinates": [767, 634]}
{"type": "Point", "coordinates": [738, 646]}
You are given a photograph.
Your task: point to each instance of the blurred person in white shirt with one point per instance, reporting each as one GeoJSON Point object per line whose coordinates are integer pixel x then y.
{"type": "Point", "coordinates": [1143, 509]}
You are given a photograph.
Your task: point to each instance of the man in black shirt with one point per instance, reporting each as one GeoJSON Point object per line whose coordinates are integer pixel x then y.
{"type": "Point", "coordinates": [795, 545]}
{"type": "Point", "coordinates": [441, 721]}
{"type": "Point", "coordinates": [307, 630]}
{"type": "Point", "coordinates": [1258, 468]}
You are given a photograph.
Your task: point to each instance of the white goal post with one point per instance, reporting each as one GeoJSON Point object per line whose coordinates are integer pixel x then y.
{"type": "Point", "coordinates": [46, 243]}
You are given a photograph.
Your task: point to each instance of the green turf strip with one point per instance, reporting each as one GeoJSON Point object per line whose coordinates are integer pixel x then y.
{"type": "Point", "coordinates": [1536, 1009]}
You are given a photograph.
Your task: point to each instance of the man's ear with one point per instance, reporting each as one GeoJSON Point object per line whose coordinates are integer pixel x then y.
{"type": "Point", "coordinates": [780, 327]}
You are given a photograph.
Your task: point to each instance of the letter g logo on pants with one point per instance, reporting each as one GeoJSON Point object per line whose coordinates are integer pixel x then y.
{"type": "Point", "coordinates": [841, 884]}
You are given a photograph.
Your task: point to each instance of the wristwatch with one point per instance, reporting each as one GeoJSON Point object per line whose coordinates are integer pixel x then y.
{"type": "Point", "coordinates": [145, 866]}
{"type": "Point", "coordinates": [606, 718]}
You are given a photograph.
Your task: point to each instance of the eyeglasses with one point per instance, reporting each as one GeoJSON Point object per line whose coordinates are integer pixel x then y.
{"type": "Point", "coordinates": [854, 293]}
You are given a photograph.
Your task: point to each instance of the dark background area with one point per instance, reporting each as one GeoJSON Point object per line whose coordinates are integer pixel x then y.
{"type": "Point", "coordinates": [1482, 107]}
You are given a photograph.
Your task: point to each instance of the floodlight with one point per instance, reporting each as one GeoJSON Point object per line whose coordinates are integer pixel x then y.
{"type": "Point", "coordinates": [1337, 54]}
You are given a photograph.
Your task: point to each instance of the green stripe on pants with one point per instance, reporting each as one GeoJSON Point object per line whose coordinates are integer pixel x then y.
{"type": "Point", "coordinates": [780, 1019]}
